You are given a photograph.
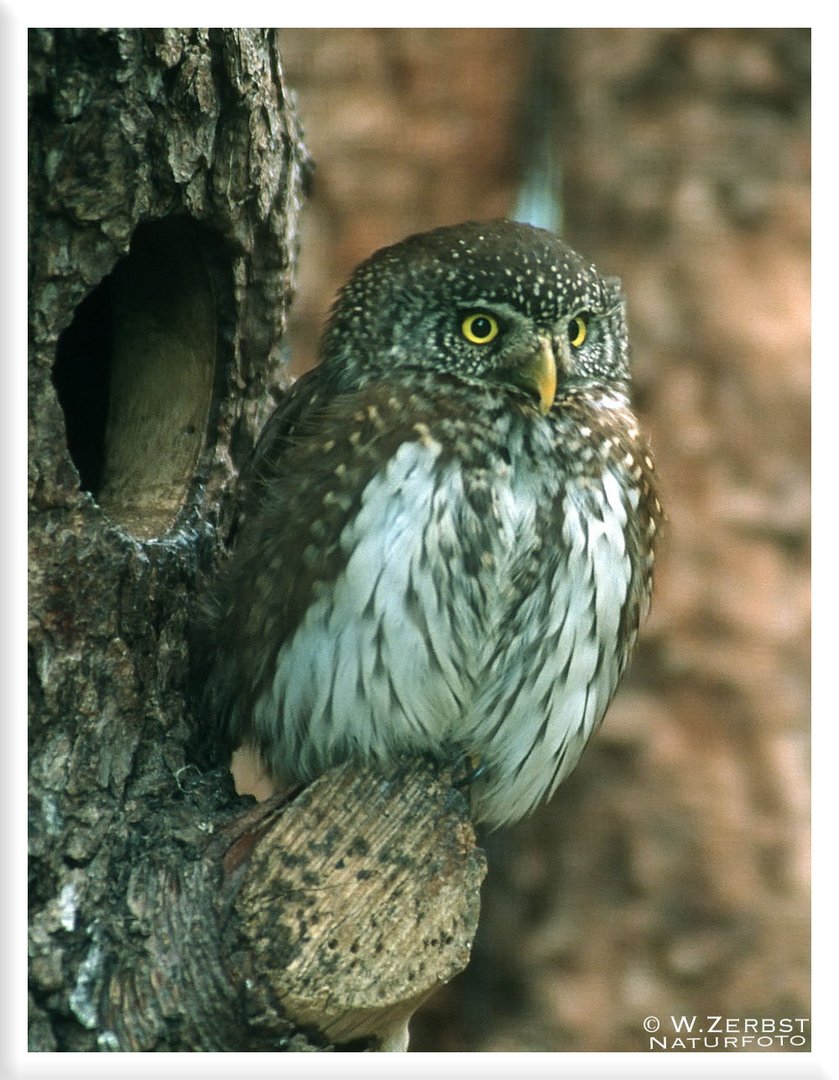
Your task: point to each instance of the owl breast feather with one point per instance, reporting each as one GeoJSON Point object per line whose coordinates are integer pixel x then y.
{"type": "Point", "coordinates": [458, 622]}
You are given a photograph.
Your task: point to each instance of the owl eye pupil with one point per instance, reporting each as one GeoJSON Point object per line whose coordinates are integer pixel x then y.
{"type": "Point", "coordinates": [577, 330]}
{"type": "Point", "coordinates": [480, 328]}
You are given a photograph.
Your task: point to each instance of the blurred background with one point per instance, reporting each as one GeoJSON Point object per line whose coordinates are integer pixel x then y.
{"type": "Point", "coordinates": [670, 874]}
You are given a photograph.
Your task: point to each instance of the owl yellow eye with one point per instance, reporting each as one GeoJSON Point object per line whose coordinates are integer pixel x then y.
{"type": "Point", "coordinates": [577, 331]}
{"type": "Point", "coordinates": [480, 328]}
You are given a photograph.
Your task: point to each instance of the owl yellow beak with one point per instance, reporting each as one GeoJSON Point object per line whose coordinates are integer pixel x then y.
{"type": "Point", "coordinates": [538, 372]}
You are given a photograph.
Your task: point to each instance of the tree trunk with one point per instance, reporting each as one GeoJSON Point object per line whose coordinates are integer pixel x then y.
{"type": "Point", "coordinates": [166, 179]}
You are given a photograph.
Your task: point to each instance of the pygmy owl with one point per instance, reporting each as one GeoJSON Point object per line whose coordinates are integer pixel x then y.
{"type": "Point", "coordinates": [447, 537]}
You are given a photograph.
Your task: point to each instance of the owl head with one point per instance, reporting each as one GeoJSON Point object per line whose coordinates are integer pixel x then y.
{"type": "Point", "coordinates": [498, 302]}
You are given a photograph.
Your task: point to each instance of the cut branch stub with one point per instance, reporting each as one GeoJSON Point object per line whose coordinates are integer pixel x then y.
{"type": "Point", "coordinates": [355, 902]}
{"type": "Point", "coordinates": [303, 923]}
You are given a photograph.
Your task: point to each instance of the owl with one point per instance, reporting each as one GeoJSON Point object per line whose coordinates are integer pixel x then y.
{"type": "Point", "coordinates": [448, 531]}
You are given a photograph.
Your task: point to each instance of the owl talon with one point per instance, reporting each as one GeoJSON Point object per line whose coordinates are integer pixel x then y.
{"type": "Point", "coordinates": [468, 769]}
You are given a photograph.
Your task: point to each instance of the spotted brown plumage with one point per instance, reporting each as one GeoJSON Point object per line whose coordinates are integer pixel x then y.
{"type": "Point", "coordinates": [447, 538]}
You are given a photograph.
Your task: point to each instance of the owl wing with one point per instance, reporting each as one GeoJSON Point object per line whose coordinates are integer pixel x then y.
{"type": "Point", "coordinates": [321, 459]}
{"type": "Point", "coordinates": [301, 399]}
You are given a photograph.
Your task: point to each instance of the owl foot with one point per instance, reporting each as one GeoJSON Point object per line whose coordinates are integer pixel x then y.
{"type": "Point", "coordinates": [466, 769]}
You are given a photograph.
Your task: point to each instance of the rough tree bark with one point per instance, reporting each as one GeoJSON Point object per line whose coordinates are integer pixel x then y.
{"type": "Point", "coordinates": [166, 180]}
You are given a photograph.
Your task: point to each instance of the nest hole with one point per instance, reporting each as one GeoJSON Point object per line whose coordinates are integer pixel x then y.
{"type": "Point", "coordinates": [135, 373]}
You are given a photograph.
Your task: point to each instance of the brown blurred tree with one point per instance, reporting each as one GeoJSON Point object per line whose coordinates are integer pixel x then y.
{"type": "Point", "coordinates": [671, 873]}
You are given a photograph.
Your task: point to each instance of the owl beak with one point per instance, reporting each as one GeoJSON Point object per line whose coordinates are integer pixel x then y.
{"type": "Point", "coordinates": [534, 371]}
{"type": "Point", "coordinates": [539, 371]}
